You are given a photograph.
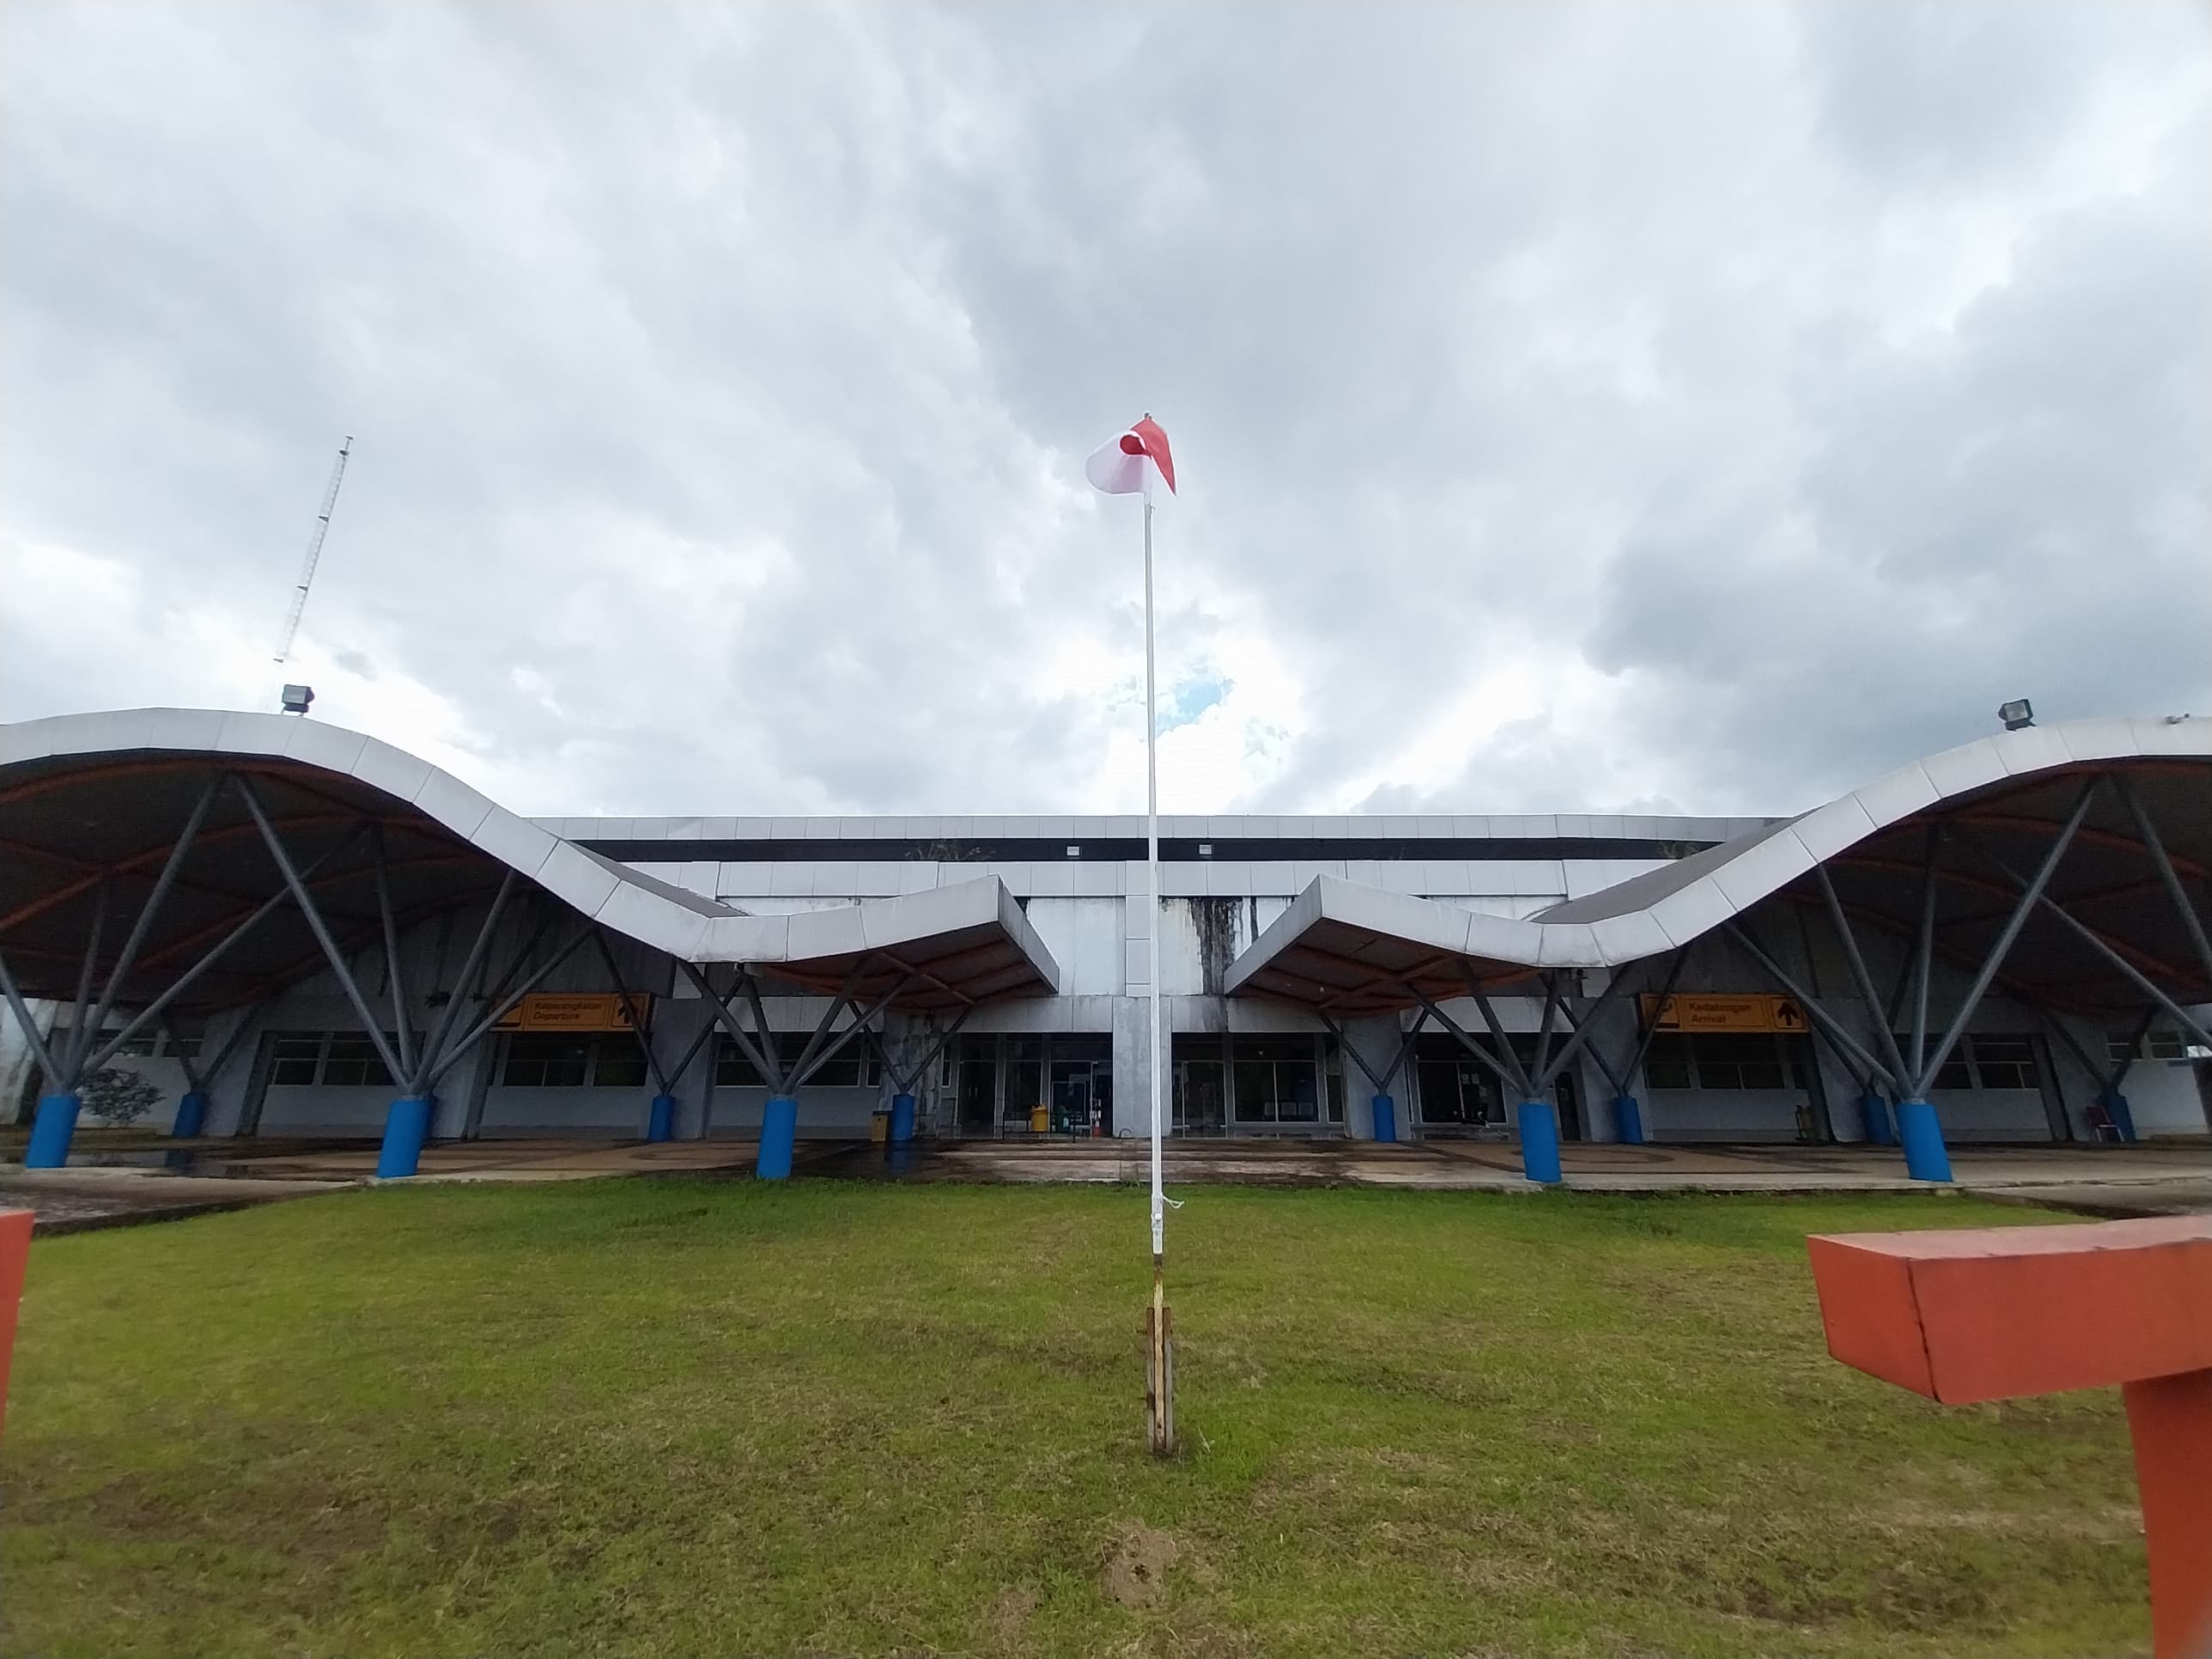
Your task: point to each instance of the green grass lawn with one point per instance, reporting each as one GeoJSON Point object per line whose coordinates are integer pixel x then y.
{"type": "Point", "coordinates": [685, 1418]}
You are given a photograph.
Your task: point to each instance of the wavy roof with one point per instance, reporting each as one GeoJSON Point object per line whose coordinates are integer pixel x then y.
{"type": "Point", "coordinates": [1345, 947]}
{"type": "Point", "coordinates": [90, 802]}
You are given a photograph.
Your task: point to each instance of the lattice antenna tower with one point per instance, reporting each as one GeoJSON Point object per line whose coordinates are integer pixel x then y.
{"type": "Point", "coordinates": [314, 551]}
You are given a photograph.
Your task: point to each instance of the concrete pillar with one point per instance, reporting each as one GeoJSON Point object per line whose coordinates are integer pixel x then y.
{"type": "Point", "coordinates": [1874, 1116]}
{"type": "Point", "coordinates": [779, 1132]}
{"type": "Point", "coordinates": [1539, 1142]}
{"type": "Point", "coordinates": [191, 1116]}
{"type": "Point", "coordinates": [1383, 1117]}
{"type": "Point", "coordinates": [52, 1131]}
{"type": "Point", "coordinates": [1627, 1121]}
{"type": "Point", "coordinates": [406, 1127]}
{"type": "Point", "coordinates": [1922, 1134]}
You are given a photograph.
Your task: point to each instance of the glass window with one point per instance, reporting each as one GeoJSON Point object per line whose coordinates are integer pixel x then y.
{"type": "Point", "coordinates": [2004, 1062]}
{"type": "Point", "coordinates": [352, 1062]}
{"type": "Point", "coordinates": [2119, 1045]}
{"type": "Point", "coordinates": [1256, 1090]}
{"type": "Point", "coordinates": [140, 1046]}
{"type": "Point", "coordinates": [298, 1060]}
{"type": "Point", "coordinates": [1667, 1061]}
{"type": "Point", "coordinates": [2167, 1045]}
{"type": "Point", "coordinates": [1736, 1062]}
{"type": "Point", "coordinates": [619, 1064]}
{"type": "Point", "coordinates": [1200, 1087]}
{"type": "Point", "coordinates": [852, 1065]}
{"type": "Point", "coordinates": [1954, 1073]}
{"type": "Point", "coordinates": [732, 1070]}
{"type": "Point", "coordinates": [543, 1060]}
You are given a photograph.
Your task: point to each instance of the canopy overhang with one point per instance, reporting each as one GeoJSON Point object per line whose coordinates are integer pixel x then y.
{"type": "Point", "coordinates": [1991, 810]}
{"type": "Point", "coordinates": [93, 809]}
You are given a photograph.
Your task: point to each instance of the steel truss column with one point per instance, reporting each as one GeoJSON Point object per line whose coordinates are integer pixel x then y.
{"type": "Point", "coordinates": [1382, 1110]}
{"type": "Point", "coordinates": [1538, 1128]}
{"type": "Point", "coordinates": [660, 1111]}
{"type": "Point", "coordinates": [127, 957]}
{"type": "Point", "coordinates": [1582, 1033]}
{"type": "Point", "coordinates": [394, 983]}
{"type": "Point", "coordinates": [904, 1084]}
{"type": "Point", "coordinates": [1627, 1111]}
{"type": "Point", "coordinates": [191, 1111]}
{"type": "Point", "coordinates": [79, 1040]}
{"type": "Point", "coordinates": [371, 1026]}
{"type": "Point", "coordinates": [780, 1116]}
{"type": "Point", "coordinates": [1918, 1126]}
{"type": "Point", "coordinates": [1923, 961]}
{"type": "Point", "coordinates": [86, 1053]}
{"type": "Point", "coordinates": [1860, 976]}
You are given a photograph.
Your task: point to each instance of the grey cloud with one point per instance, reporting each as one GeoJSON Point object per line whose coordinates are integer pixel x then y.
{"type": "Point", "coordinates": [721, 379]}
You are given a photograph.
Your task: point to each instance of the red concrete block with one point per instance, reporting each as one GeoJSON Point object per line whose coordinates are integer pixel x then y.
{"type": "Point", "coordinates": [2170, 1419]}
{"type": "Point", "coordinates": [1993, 1312]}
{"type": "Point", "coordinates": [15, 1258]}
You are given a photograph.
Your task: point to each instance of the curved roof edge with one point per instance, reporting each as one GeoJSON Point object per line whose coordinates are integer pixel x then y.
{"type": "Point", "coordinates": [1663, 909]}
{"type": "Point", "coordinates": [643, 908]}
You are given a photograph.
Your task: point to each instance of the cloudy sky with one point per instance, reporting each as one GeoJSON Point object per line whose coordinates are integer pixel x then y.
{"type": "Point", "coordinates": [1684, 406]}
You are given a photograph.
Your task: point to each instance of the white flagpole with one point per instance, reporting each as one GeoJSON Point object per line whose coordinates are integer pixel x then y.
{"type": "Point", "coordinates": [1152, 877]}
{"type": "Point", "coordinates": [1160, 1362]}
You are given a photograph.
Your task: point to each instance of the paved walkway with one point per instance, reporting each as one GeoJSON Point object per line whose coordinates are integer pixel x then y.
{"type": "Point", "coordinates": [144, 1176]}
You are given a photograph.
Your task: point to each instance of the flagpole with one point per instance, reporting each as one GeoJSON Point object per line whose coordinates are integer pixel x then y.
{"type": "Point", "coordinates": [1160, 1388]}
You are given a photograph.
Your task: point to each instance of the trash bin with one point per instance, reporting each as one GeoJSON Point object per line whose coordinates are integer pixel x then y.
{"type": "Point", "coordinates": [1040, 1119]}
{"type": "Point", "coordinates": [880, 1126]}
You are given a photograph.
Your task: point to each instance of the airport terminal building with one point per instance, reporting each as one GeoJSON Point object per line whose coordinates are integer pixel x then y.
{"type": "Point", "coordinates": [296, 930]}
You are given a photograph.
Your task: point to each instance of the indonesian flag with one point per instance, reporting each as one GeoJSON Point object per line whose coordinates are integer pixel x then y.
{"type": "Point", "coordinates": [1120, 465]}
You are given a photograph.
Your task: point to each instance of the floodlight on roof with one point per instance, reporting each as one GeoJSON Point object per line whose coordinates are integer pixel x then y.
{"type": "Point", "coordinates": [297, 697]}
{"type": "Point", "coordinates": [2016, 713]}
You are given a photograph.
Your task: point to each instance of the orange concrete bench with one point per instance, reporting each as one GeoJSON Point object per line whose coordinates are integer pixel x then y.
{"type": "Point", "coordinates": [1997, 1312]}
{"type": "Point", "coordinates": [14, 1257]}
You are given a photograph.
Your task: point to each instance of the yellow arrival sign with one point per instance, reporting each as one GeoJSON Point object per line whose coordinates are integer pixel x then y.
{"type": "Point", "coordinates": [1714, 1011]}
{"type": "Point", "coordinates": [563, 1011]}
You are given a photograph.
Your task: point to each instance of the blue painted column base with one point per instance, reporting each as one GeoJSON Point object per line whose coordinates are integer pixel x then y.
{"type": "Point", "coordinates": [51, 1132]}
{"type": "Point", "coordinates": [1385, 1111]}
{"type": "Point", "coordinates": [1539, 1142]}
{"type": "Point", "coordinates": [661, 1118]}
{"type": "Point", "coordinates": [1627, 1121]}
{"type": "Point", "coordinates": [406, 1126]}
{"type": "Point", "coordinates": [901, 1119]}
{"type": "Point", "coordinates": [1925, 1156]}
{"type": "Point", "coordinates": [1873, 1111]}
{"type": "Point", "coordinates": [191, 1116]}
{"type": "Point", "coordinates": [779, 1131]}
{"type": "Point", "coordinates": [2124, 1118]}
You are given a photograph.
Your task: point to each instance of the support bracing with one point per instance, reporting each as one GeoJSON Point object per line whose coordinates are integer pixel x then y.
{"type": "Point", "coordinates": [2089, 936]}
{"type": "Point", "coordinates": [394, 984]}
{"type": "Point", "coordinates": [2192, 923]}
{"type": "Point", "coordinates": [340, 969]}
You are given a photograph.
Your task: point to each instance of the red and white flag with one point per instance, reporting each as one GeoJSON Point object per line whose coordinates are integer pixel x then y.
{"type": "Point", "coordinates": [1120, 466]}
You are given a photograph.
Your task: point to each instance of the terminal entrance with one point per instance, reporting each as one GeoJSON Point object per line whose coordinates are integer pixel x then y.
{"type": "Point", "coordinates": [1059, 1084]}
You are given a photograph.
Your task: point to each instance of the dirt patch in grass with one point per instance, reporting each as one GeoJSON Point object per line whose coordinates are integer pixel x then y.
{"type": "Point", "coordinates": [1010, 1617]}
{"type": "Point", "coordinates": [1136, 1570]}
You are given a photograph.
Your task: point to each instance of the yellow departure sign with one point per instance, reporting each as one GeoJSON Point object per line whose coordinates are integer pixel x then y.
{"type": "Point", "coordinates": [564, 1011]}
{"type": "Point", "coordinates": [1711, 1012]}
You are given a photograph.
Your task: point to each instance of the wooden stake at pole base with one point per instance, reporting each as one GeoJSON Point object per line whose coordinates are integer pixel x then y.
{"type": "Point", "coordinates": [1159, 1373]}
